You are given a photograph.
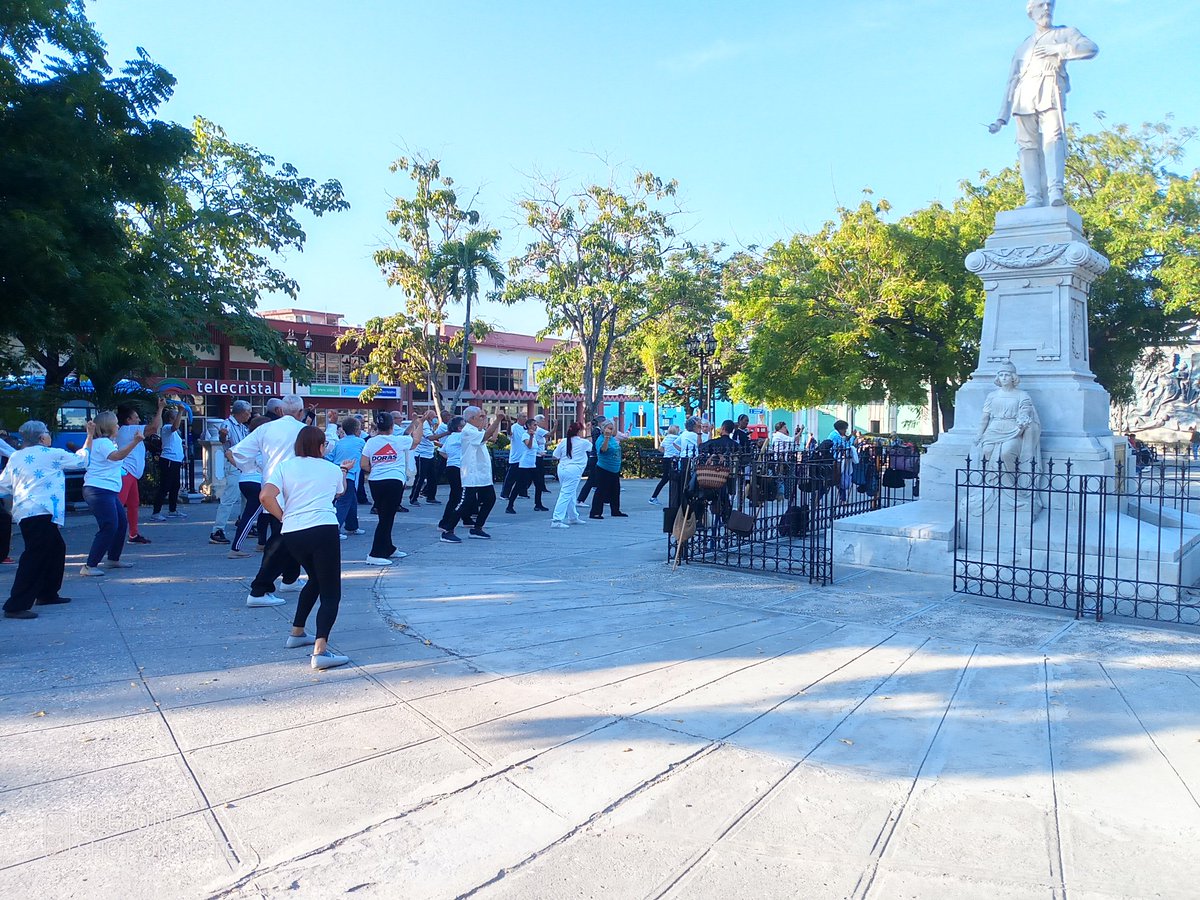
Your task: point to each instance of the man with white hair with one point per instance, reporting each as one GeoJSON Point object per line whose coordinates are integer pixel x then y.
{"type": "Point", "coordinates": [274, 442]}
{"type": "Point", "coordinates": [479, 492]}
{"type": "Point", "coordinates": [232, 431]}
{"type": "Point", "coordinates": [274, 408]}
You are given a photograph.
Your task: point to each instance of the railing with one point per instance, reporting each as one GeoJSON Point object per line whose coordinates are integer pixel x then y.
{"type": "Point", "coordinates": [775, 511]}
{"type": "Point", "coordinates": [1126, 544]}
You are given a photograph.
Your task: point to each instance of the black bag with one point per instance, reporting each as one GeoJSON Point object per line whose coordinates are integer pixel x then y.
{"type": "Point", "coordinates": [794, 522]}
{"type": "Point", "coordinates": [153, 444]}
{"type": "Point", "coordinates": [893, 479]}
{"type": "Point", "coordinates": [740, 522]}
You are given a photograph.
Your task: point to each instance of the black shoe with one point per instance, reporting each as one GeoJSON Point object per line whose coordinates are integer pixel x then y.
{"type": "Point", "coordinates": [541, 509]}
{"type": "Point", "coordinates": [434, 502]}
{"type": "Point", "coordinates": [594, 516]}
{"type": "Point", "coordinates": [511, 511]}
{"type": "Point", "coordinates": [138, 539]}
{"type": "Point", "coordinates": [504, 496]}
{"type": "Point", "coordinates": [374, 511]}
{"type": "Point", "coordinates": [449, 537]}
{"type": "Point", "coordinates": [619, 515]}
{"type": "Point", "coordinates": [54, 600]}
{"type": "Point", "coordinates": [479, 533]}
{"type": "Point", "coordinates": [402, 509]}
{"type": "Point", "coordinates": [20, 614]}
{"type": "Point", "coordinates": [414, 504]}
{"type": "Point", "coordinates": [218, 537]}
{"type": "Point", "coordinates": [523, 496]}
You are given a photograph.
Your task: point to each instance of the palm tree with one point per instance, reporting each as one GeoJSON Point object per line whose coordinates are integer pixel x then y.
{"type": "Point", "coordinates": [460, 263]}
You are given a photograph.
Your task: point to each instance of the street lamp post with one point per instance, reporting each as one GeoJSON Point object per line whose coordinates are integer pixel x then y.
{"type": "Point", "coordinates": [704, 346]}
{"type": "Point", "coordinates": [305, 344]}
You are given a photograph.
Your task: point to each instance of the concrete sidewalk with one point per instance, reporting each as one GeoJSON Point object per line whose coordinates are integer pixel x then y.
{"type": "Point", "coordinates": [556, 714]}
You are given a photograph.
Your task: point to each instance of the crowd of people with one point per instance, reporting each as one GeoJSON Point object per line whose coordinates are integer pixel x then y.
{"type": "Point", "coordinates": [296, 489]}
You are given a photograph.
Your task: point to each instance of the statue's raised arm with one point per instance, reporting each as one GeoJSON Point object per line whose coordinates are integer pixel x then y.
{"type": "Point", "coordinates": [1036, 94]}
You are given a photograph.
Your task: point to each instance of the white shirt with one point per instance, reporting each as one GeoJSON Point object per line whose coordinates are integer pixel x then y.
{"type": "Point", "coordinates": [580, 448]}
{"type": "Point", "coordinates": [34, 477]}
{"type": "Point", "coordinates": [539, 441]}
{"type": "Point", "coordinates": [307, 487]}
{"type": "Point", "coordinates": [267, 446]}
{"type": "Point", "coordinates": [476, 462]}
{"type": "Point", "coordinates": [135, 462]}
{"type": "Point", "coordinates": [424, 448]}
{"type": "Point", "coordinates": [388, 456]}
{"type": "Point", "coordinates": [670, 446]}
{"type": "Point", "coordinates": [782, 443]}
{"type": "Point", "coordinates": [528, 458]}
{"type": "Point", "coordinates": [689, 444]}
{"type": "Point", "coordinates": [452, 447]}
{"type": "Point", "coordinates": [103, 472]}
{"type": "Point", "coordinates": [517, 448]}
{"type": "Point", "coordinates": [172, 443]}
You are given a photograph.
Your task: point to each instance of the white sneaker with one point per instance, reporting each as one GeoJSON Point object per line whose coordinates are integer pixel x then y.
{"type": "Point", "coordinates": [299, 640]}
{"type": "Point", "coordinates": [376, 561]}
{"type": "Point", "coordinates": [288, 588]}
{"type": "Point", "coordinates": [328, 660]}
{"type": "Point", "coordinates": [158, 517]}
{"type": "Point", "coordinates": [656, 501]}
{"type": "Point", "coordinates": [357, 531]}
{"type": "Point", "coordinates": [91, 572]}
{"type": "Point", "coordinates": [343, 536]}
{"type": "Point", "coordinates": [176, 515]}
{"type": "Point", "coordinates": [116, 564]}
{"type": "Point", "coordinates": [581, 504]}
{"type": "Point", "coordinates": [399, 554]}
{"type": "Point", "coordinates": [558, 524]}
{"type": "Point", "coordinates": [265, 600]}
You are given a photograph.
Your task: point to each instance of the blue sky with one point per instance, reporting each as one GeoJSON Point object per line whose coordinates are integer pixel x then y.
{"type": "Point", "coordinates": [769, 114]}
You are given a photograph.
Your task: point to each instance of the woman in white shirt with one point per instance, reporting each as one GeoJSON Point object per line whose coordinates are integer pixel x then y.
{"type": "Point", "coordinates": [572, 455]}
{"type": "Point", "coordinates": [300, 493]}
{"type": "Point", "coordinates": [102, 491]}
{"type": "Point", "coordinates": [670, 453]}
{"type": "Point", "coordinates": [130, 421]}
{"type": "Point", "coordinates": [385, 465]}
{"type": "Point", "coordinates": [169, 464]}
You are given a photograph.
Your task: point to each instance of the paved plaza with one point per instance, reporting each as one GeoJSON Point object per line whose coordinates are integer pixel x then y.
{"type": "Point", "coordinates": [556, 714]}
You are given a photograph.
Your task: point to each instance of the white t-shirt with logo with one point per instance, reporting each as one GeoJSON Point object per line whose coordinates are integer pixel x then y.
{"type": "Point", "coordinates": [103, 472]}
{"type": "Point", "coordinates": [307, 487]}
{"type": "Point", "coordinates": [387, 454]}
{"type": "Point", "coordinates": [135, 462]}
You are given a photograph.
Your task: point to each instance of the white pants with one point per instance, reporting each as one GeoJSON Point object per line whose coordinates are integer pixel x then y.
{"type": "Point", "coordinates": [231, 501]}
{"type": "Point", "coordinates": [568, 489]}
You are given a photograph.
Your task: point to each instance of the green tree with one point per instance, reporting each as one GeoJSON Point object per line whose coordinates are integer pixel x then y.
{"type": "Point", "coordinates": [592, 254]}
{"type": "Point", "coordinates": [459, 263]}
{"type": "Point", "coordinates": [412, 346]}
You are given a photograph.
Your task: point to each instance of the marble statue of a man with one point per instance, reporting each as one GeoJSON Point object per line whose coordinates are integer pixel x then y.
{"type": "Point", "coordinates": [1037, 95]}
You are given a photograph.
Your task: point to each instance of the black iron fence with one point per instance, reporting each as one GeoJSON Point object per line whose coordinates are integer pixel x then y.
{"type": "Point", "coordinates": [1126, 544]}
{"type": "Point", "coordinates": [775, 511]}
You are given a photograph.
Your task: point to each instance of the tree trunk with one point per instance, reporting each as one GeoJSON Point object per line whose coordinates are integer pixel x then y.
{"type": "Point", "coordinates": [934, 410]}
{"type": "Point", "coordinates": [466, 352]}
{"type": "Point", "coordinates": [946, 402]}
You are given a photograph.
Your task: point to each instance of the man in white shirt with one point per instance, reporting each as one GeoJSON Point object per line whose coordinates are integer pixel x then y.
{"type": "Point", "coordinates": [274, 442]}
{"type": "Point", "coordinates": [232, 431]}
{"type": "Point", "coordinates": [479, 493]}
{"type": "Point", "coordinates": [541, 436]}
{"type": "Point", "coordinates": [517, 436]}
{"type": "Point", "coordinates": [439, 462]}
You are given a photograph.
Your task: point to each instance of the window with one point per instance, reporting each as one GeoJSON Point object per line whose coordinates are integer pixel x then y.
{"type": "Point", "coordinates": [251, 375]}
{"type": "Point", "coordinates": [332, 368]}
{"type": "Point", "coordinates": [450, 379]}
{"type": "Point", "coordinates": [493, 379]}
{"type": "Point", "coordinates": [193, 371]}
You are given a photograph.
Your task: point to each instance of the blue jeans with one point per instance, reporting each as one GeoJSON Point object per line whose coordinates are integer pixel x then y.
{"type": "Point", "coordinates": [346, 507]}
{"type": "Point", "coordinates": [110, 516]}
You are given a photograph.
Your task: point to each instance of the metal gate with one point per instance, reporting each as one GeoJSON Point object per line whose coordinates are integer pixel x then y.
{"type": "Point", "coordinates": [774, 512]}
{"type": "Point", "coordinates": [1126, 544]}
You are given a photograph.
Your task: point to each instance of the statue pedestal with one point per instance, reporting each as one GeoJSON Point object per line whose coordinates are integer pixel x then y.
{"type": "Point", "coordinates": [1037, 269]}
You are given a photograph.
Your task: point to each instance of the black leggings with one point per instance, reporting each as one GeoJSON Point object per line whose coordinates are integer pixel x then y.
{"type": "Point", "coordinates": [450, 516]}
{"type": "Point", "coordinates": [168, 484]}
{"type": "Point", "coordinates": [525, 478]}
{"type": "Point", "coordinates": [319, 552]}
{"type": "Point", "coordinates": [608, 490]}
{"type": "Point", "coordinates": [667, 469]}
{"type": "Point", "coordinates": [250, 491]}
{"type": "Point", "coordinates": [389, 496]}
